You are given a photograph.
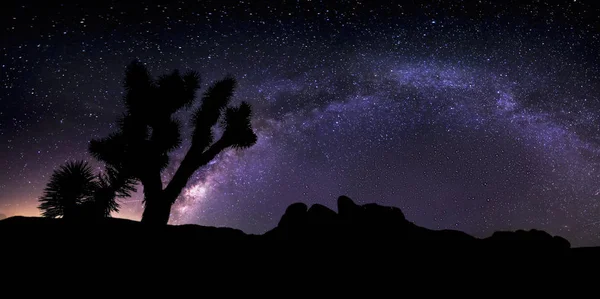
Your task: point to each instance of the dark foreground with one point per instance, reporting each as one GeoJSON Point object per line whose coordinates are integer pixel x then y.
{"type": "Point", "coordinates": [314, 238]}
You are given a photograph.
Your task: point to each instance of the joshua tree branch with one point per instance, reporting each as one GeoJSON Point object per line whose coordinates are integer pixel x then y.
{"type": "Point", "coordinates": [193, 160]}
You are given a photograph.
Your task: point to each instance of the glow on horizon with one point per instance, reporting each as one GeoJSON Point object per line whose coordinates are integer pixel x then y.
{"type": "Point", "coordinates": [22, 207]}
{"type": "Point", "coordinates": [29, 208]}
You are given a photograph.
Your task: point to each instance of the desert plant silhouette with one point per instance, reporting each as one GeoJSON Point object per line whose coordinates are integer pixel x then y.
{"type": "Point", "coordinates": [70, 185]}
{"type": "Point", "coordinates": [109, 186]}
{"type": "Point", "coordinates": [148, 132]}
{"type": "Point", "coordinates": [74, 192]}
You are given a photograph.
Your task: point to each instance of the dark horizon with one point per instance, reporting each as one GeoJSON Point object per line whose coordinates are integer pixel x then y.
{"type": "Point", "coordinates": [476, 118]}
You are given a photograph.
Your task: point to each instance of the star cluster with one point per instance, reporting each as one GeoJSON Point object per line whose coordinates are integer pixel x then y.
{"type": "Point", "coordinates": [473, 116]}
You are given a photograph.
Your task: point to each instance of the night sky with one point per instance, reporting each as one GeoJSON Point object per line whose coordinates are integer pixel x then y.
{"type": "Point", "coordinates": [467, 115]}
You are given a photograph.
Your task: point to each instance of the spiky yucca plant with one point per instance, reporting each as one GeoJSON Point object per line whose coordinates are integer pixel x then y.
{"type": "Point", "coordinates": [70, 185]}
{"type": "Point", "coordinates": [75, 192]}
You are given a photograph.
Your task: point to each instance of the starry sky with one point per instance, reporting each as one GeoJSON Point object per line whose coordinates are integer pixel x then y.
{"type": "Point", "coordinates": [468, 115]}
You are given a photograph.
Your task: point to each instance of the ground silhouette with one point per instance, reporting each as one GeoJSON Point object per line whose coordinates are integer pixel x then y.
{"type": "Point", "coordinates": [353, 225]}
{"type": "Point", "coordinates": [361, 246]}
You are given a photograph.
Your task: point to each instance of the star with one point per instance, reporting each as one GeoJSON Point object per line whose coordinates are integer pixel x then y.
{"type": "Point", "coordinates": [471, 117]}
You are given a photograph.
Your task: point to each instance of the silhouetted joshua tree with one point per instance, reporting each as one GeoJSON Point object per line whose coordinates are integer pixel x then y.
{"type": "Point", "coordinates": [70, 185]}
{"type": "Point", "coordinates": [148, 132]}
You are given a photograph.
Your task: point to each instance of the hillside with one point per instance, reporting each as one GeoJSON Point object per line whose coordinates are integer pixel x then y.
{"type": "Point", "coordinates": [372, 228]}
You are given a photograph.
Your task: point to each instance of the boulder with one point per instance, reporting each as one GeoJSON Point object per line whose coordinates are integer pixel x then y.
{"type": "Point", "coordinates": [526, 240]}
{"type": "Point", "coordinates": [294, 221]}
{"type": "Point", "coordinates": [320, 216]}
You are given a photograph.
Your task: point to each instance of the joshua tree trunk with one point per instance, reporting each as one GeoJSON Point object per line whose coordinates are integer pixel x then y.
{"type": "Point", "coordinates": [157, 210]}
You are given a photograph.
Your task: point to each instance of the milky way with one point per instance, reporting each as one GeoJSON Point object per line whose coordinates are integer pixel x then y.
{"type": "Point", "coordinates": [477, 118]}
